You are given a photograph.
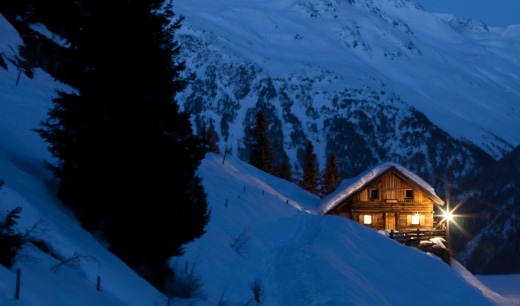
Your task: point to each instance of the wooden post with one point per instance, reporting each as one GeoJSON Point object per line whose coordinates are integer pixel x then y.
{"type": "Point", "coordinates": [224, 159]}
{"type": "Point", "coordinates": [17, 292]}
{"type": "Point", "coordinates": [98, 285]}
{"type": "Point", "coordinates": [448, 234]}
{"type": "Point", "coordinates": [18, 77]}
{"type": "Point", "coordinates": [391, 234]}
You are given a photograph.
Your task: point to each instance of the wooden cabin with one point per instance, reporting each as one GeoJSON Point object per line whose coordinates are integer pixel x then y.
{"type": "Point", "coordinates": [387, 196]}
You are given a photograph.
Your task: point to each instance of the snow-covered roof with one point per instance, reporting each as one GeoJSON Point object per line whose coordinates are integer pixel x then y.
{"type": "Point", "coordinates": [350, 186]}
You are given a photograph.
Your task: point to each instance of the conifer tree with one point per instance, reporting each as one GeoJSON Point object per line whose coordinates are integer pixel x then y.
{"type": "Point", "coordinates": [3, 64]}
{"type": "Point", "coordinates": [310, 180]}
{"type": "Point", "coordinates": [126, 156]}
{"type": "Point", "coordinates": [210, 136]}
{"type": "Point", "coordinates": [284, 171]}
{"type": "Point", "coordinates": [10, 241]}
{"type": "Point", "coordinates": [331, 176]}
{"type": "Point", "coordinates": [262, 153]}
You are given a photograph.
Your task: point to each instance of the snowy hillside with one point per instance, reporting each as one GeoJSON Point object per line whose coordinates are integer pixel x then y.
{"type": "Point", "coordinates": [301, 258]}
{"type": "Point", "coordinates": [299, 56]}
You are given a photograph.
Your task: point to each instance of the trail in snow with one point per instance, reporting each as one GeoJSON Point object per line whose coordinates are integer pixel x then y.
{"type": "Point", "coordinates": [293, 257]}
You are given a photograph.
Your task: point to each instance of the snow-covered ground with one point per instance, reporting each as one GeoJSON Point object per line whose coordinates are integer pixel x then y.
{"type": "Point", "coordinates": [264, 236]}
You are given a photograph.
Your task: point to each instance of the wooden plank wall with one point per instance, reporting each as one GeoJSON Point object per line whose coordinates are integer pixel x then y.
{"type": "Point", "coordinates": [392, 187]}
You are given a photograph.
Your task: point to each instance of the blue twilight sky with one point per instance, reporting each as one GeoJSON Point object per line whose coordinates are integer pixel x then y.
{"type": "Point", "coordinates": [498, 13]}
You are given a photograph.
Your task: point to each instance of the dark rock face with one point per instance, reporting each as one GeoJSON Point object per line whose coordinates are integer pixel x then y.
{"type": "Point", "coordinates": [495, 202]}
{"type": "Point", "coordinates": [362, 125]}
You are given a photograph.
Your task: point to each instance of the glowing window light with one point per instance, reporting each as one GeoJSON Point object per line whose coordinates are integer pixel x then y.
{"type": "Point", "coordinates": [367, 219]}
{"type": "Point", "coordinates": [416, 218]}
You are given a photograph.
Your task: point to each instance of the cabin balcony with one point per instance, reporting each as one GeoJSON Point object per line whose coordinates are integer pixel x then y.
{"type": "Point", "coordinates": [414, 237]}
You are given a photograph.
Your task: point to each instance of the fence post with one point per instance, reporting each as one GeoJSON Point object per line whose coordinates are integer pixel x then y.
{"type": "Point", "coordinates": [418, 236]}
{"type": "Point", "coordinates": [17, 293]}
{"type": "Point", "coordinates": [18, 77]}
{"type": "Point", "coordinates": [225, 153]}
{"type": "Point", "coordinates": [391, 234]}
{"type": "Point", "coordinates": [98, 286]}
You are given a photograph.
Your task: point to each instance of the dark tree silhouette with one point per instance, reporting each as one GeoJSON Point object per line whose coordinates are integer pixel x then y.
{"type": "Point", "coordinates": [310, 179]}
{"type": "Point", "coordinates": [331, 176]}
{"type": "Point", "coordinates": [284, 171]}
{"type": "Point", "coordinates": [126, 156]}
{"type": "Point", "coordinates": [262, 153]}
{"type": "Point", "coordinates": [10, 241]}
{"type": "Point", "coordinates": [211, 138]}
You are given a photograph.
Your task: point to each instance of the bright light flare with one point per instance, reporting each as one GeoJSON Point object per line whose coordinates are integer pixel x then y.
{"type": "Point", "coordinates": [449, 216]}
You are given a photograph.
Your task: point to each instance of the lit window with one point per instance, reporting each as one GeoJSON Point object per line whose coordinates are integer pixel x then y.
{"type": "Point", "coordinates": [367, 219]}
{"type": "Point", "coordinates": [409, 194]}
{"type": "Point", "coordinates": [374, 194]}
{"type": "Point", "coordinates": [416, 218]}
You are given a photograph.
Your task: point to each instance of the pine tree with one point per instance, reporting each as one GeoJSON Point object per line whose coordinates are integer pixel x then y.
{"type": "Point", "coordinates": [331, 176]}
{"type": "Point", "coordinates": [262, 153]}
{"type": "Point", "coordinates": [211, 138]}
{"type": "Point", "coordinates": [126, 156]}
{"type": "Point", "coordinates": [3, 64]}
{"type": "Point", "coordinates": [10, 241]}
{"type": "Point", "coordinates": [310, 180]}
{"type": "Point", "coordinates": [284, 171]}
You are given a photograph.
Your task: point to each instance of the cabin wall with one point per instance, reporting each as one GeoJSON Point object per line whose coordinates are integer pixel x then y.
{"type": "Point", "coordinates": [390, 202]}
{"type": "Point", "coordinates": [393, 187]}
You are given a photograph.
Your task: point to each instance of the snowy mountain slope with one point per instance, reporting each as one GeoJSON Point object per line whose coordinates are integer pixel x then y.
{"type": "Point", "coordinates": [293, 253]}
{"type": "Point", "coordinates": [454, 71]}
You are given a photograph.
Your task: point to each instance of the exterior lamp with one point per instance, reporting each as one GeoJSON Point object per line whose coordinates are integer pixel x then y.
{"type": "Point", "coordinates": [448, 216]}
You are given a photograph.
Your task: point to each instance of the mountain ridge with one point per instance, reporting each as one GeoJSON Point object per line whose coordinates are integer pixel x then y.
{"type": "Point", "coordinates": [355, 43]}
